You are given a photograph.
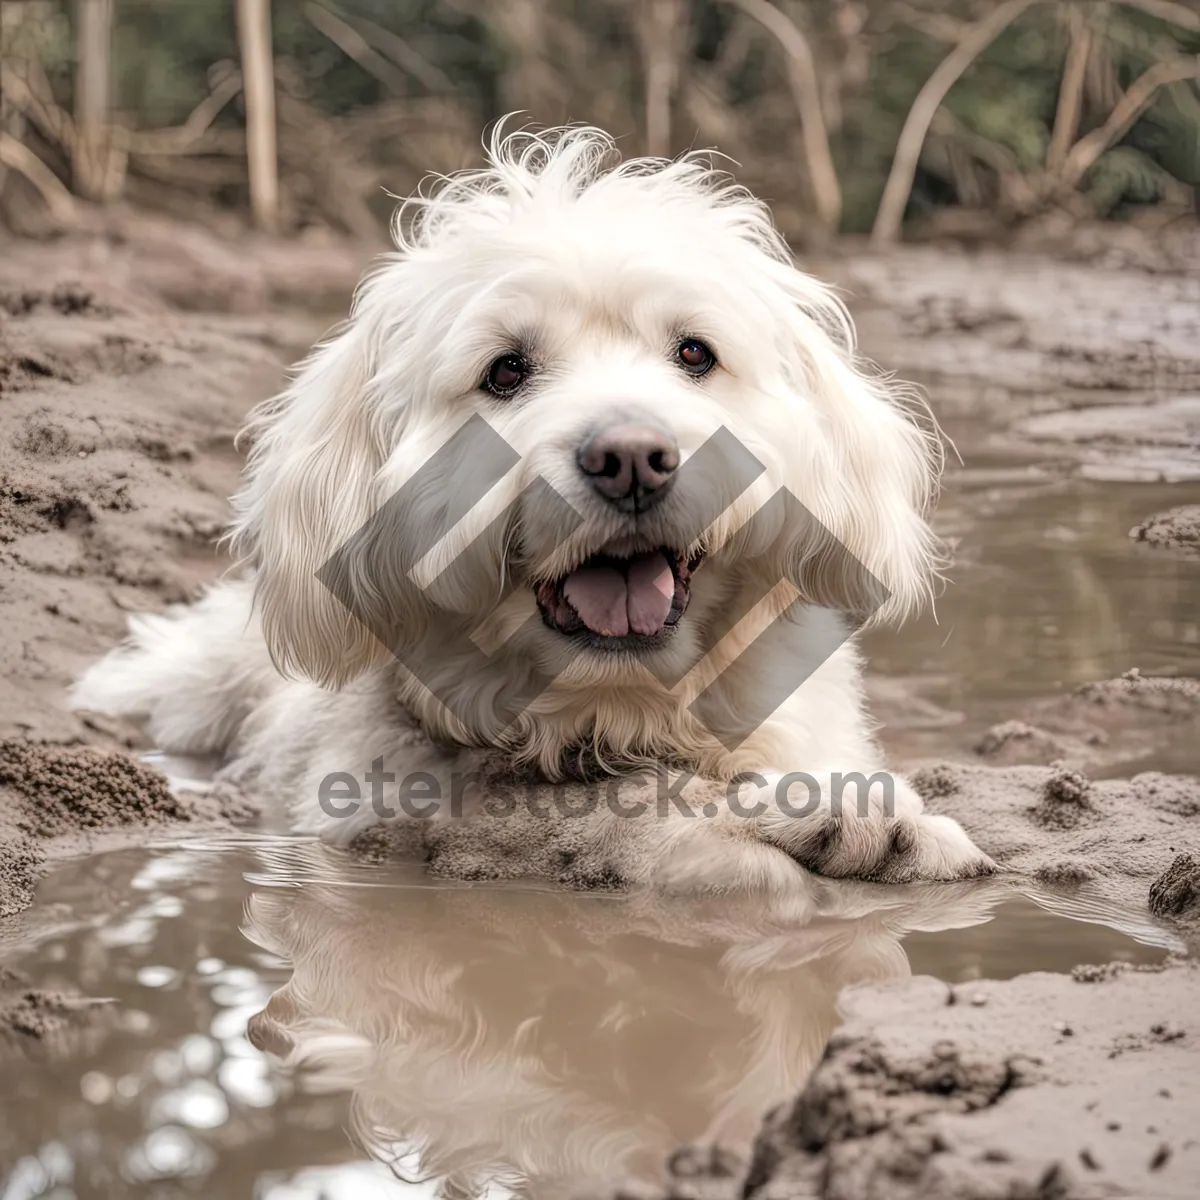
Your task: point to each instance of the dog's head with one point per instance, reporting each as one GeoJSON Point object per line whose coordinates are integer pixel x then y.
{"type": "Point", "coordinates": [564, 411]}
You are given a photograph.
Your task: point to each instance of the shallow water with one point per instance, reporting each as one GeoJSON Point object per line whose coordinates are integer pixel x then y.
{"type": "Point", "coordinates": [1047, 592]}
{"type": "Point", "coordinates": [515, 1036]}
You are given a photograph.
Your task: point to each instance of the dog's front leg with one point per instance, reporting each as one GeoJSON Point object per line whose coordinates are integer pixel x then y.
{"type": "Point", "coordinates": [846, 825]}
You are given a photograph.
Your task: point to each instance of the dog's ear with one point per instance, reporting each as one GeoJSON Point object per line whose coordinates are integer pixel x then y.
{"type": "Point", "coordinates": [875, 479]}
{"type": "Point", "coordinates": [310, 485]}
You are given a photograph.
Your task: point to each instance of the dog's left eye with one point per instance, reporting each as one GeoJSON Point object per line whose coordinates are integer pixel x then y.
{"type": "Point", "coordinates": [506, 375]}
{"type": "Point", "coordinates": [695, 357]}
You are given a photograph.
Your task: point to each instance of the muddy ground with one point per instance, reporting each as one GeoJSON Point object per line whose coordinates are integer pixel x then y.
{"type": "Point", "coordinates": [127, 363]}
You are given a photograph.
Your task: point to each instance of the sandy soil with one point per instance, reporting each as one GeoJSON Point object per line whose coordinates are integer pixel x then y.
{"type": "Point", "coordinates": [127, 364]}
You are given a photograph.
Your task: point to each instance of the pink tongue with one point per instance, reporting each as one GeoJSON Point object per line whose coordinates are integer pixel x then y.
{"type": "Point", "coordinates": [611, 603]}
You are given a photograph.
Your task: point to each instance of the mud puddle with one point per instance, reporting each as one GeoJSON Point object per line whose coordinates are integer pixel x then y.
{"type": "Point", "coordinates": [273, 1009]}
{"type": "Point", "coordinates": [1048, 592]}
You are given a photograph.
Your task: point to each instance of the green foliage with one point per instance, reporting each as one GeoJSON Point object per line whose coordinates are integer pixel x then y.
{"type": "Point", "coordinates": [1126, 175]}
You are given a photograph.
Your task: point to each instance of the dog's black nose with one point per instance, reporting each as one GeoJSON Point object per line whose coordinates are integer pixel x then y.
{"type": "Point", "coordinates": [631, 462]}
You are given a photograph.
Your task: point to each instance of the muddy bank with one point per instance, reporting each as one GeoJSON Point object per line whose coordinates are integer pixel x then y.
{"type": "Point", "coordinates": [1086, 368]}
{"type": "Point", "coordinates": [1158, 439]}
{"type": "Point", "coordinates": [1097, 724]}
{"type": "Point", "coordinates": [1045, 1086]}
{"type": "Point", "coordinates": [217, 267]}
{"type": "Point", "coordinates": [117, 420]}
{"type": "Point", "coordinates": [1027, 323]}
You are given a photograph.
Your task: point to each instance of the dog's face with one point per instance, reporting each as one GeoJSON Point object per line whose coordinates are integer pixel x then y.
{"type": "Point", "coordinates": [650, 370]}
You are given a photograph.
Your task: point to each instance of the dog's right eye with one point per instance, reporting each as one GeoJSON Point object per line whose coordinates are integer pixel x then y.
{"type": "Point", "coordinates": [506, 375]}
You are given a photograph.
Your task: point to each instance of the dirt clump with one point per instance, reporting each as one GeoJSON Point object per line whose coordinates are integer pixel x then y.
{"type": "Point", "coordinates": [1054, 824]}
{"type": "Point", "coordinates": [1097, 724]}
{"type": "Point", "coordinates": [1175, 529]}
{"type": "Point", "coordinates": [56, 798]}
{"type": "Point", "coordinates": [1176, 892]}
{"type": "Point", "coordinates": [37, 1020]}
{"type": "Point", "coordinates": [19, 862]}
{"type": "Point", "coordinates": [64, 789]}
{"type": "Point", "coordinates": [1012, 743]}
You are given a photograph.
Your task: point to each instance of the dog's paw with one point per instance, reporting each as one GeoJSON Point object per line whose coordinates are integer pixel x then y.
{"type": "Point", "coordinates": [884, 836]}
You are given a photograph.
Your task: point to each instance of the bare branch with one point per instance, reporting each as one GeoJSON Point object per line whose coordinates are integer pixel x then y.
{"type": "Point", "coordinates": [258, 75]}
{"type": "Point", "coordinates": [659, 23]}
{"type": "Point", "coordinates": [18, 157]}
{"type": "Point", "coordinates": [939, 26]}
{"type": "Point", "coordinates": [184, 137]}
{"type": "Point", "coordinates": [976, 38]}
{"type": "Point", "coordinates": [1070, 93]}
{"type": "Point", "coordinates": [403, 55]}
{"type": "Point", "coordinates": [352, 43]}
{"type": "Point", "coordinates": [26, 88]}
{"type": "Point", "coordinates": [1016, 190]}
{"type": "Point", "coordinates": [93, 70]}
{"type": "Point", "coordinates": [802, 75]}
{"type": "Point", "coordinates": [1136, 100]}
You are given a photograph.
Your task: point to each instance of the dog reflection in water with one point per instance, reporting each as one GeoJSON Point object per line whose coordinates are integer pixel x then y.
{"type": "Point", "coordinates": [548, 1041]}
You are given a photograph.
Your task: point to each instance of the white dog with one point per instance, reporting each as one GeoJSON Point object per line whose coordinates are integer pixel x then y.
{"type": "Point", "coordinates": [591, 481]}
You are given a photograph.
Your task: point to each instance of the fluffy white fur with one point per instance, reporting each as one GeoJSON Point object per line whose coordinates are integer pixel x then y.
{"type": "Point", "coordinates": [597, 269]}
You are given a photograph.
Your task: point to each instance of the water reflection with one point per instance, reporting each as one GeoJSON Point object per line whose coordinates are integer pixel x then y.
{"type": "Point", "coordinates": [544, 1041]}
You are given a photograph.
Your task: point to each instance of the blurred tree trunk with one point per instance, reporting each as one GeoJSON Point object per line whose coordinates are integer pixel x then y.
{"type": "Point", "coordinates": [663, 37]}
{"type": "Point", "coordinates": [258, 89]}
{"type": "Point", "coordinates": [93, 86]}
{"type": "Point", "coordinates": [806, 88]}
{"type": "Point", "coordinates": [530, 85]}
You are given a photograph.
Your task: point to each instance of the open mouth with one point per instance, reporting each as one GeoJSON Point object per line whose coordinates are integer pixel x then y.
{"type": "Point", "coordinates": [615, 602]}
